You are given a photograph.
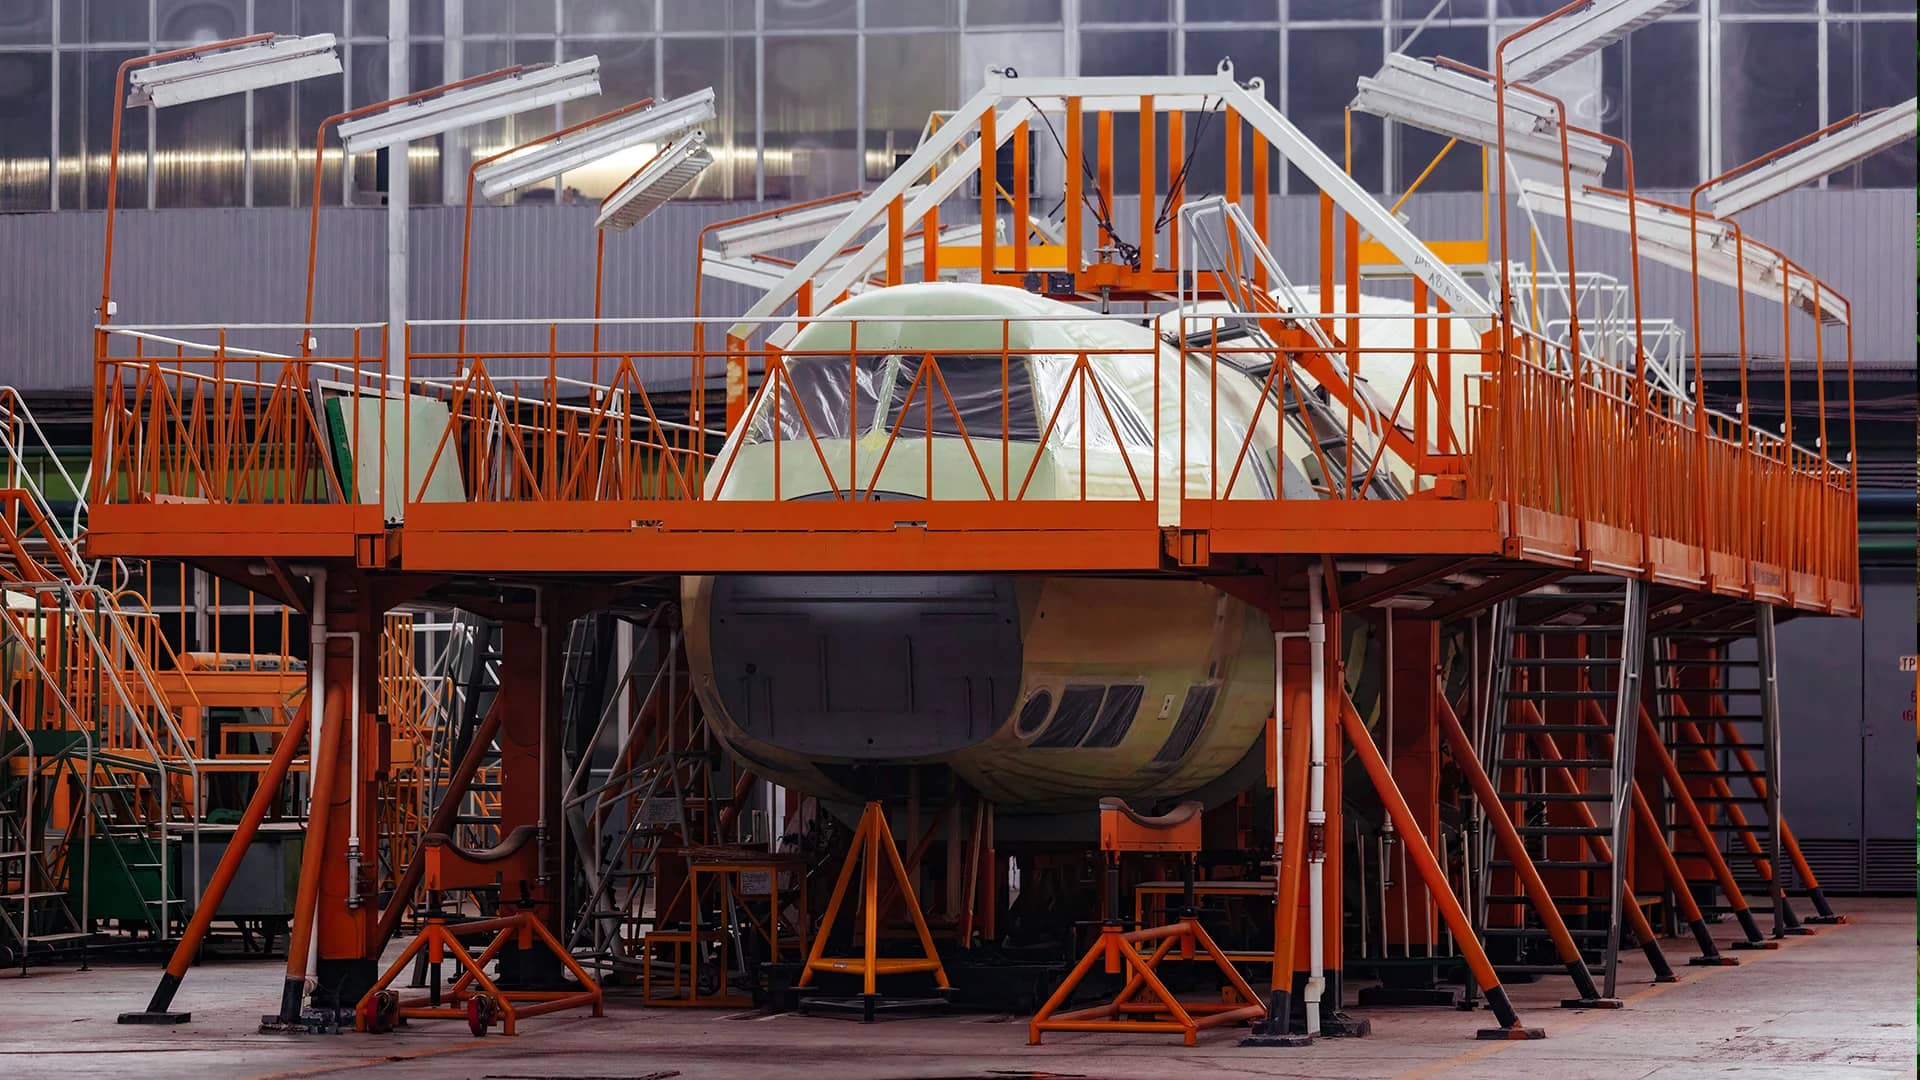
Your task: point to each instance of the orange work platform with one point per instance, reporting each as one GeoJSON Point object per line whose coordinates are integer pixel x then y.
{"type": "Point", "coordinates": [594, 485]}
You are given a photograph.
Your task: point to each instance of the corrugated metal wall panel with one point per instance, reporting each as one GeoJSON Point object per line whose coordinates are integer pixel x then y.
{"type": "Point", "coordinates": [537, 262]}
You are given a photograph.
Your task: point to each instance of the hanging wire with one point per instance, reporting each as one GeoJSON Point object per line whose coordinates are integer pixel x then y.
{"type": "Point", "coordinates": [1102, 213]}
{"type": "Point", "coordinates": [1179, 183]}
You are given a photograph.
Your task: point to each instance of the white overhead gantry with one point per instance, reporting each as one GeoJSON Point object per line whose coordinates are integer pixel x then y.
{"type": "Point", "coordinates": [1015, 100]}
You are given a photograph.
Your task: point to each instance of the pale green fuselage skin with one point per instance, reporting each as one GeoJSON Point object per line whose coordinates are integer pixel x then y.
{"type": "Point", "coordinates": [1166, 634]}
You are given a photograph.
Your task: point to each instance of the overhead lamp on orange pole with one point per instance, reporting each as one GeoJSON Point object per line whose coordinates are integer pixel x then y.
{"type": "Point", "coordinates": [319, 159]}
{"type": "Point", "coordinates": [196, 73]}
{"type": "Point", "coordinates": [466, 225]}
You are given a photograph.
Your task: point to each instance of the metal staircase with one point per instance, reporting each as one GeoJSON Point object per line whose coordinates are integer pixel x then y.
{"type": "Point", "coordinates": [37, 920]}
{"type": "Point", "coordinates": [1568, 667]}
{"type": "Point", "coordinates": [1716, 709]}
{"type": "Point", "coordinates": [1223, 247]}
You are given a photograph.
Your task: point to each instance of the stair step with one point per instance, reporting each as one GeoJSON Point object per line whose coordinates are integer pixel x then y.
{"type": "Point", "coordinates": [1729, 799]}
{"type": "Point", "coordinates": [1563, 830]}
{"type": "Point", "coordinates": [55, 939]}
{"type": "Point", "coordinates": [1708, 663]}
{"type": "Point", "coordinates": [1674, 748]}
{"type": "Point", "coordinates": [1559, 695]}
{"type": "Point", "coordinates": [1595, 628]}
{"type": "Point", "coordinates": [1539, 932]}
{"type": "Point", "coordinates": [1559, 864]}
{"type": "Point", "coordinates": [1570, 763]}
{"type": "Point", "coordinates": [28, 896]}
{"type": "Point", "coordinates": [1741, 773]}
{"type": "Point", "coordinates": [1556, 796]}
{"type": "Point", "coordinates": [1563, 661]}
{"type": "Point", "coordinates": [1563, 901]}
{"type": "Point", "coordinates": [1556, 729]}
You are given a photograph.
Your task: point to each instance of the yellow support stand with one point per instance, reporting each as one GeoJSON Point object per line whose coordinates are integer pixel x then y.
{"type": "Point", "coordinates": [872, 840]}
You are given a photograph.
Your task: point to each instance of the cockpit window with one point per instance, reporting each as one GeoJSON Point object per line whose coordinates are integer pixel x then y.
{"type": "Point", "coordinates": [825, 394]}
{"type": "Point", "coordinates": [976, 386]}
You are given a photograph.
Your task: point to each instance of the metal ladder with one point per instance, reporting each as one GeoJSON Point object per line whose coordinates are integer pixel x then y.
{"type": "Point", "coordinates": [1216, 233]}
{"type": "Point", "coordinates": [1568, 667]}
{"type": "Point", "coordinates": [1716, 708]}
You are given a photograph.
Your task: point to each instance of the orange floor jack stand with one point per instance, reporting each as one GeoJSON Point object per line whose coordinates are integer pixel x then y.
{"type": "Point", "coordinates": [872, 841]}
{"type": "Point", "coordinates": [1144, 1004]}
{"type": "Point", "coordinates": [473, 997]}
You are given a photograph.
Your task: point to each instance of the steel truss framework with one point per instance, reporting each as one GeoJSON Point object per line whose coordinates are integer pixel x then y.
{"type": "Point", "coordinates": [1513, 464]}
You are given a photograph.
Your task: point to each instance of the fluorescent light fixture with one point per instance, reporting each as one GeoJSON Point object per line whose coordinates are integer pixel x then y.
{"type": "Point", "coordinates": [791, 229]}
{"type": "Point", "coordinates": [668, 174]}
{"type": "Point", "coordinates": [1666, 237]}
{"type": "Point", "coordinates": [1459, 106]}
{"type": "Point", "coordinates": [648, 127]}
{"type": "Point", "coordinates": [1571, 37]}
{"type": "Point", "coordinates": [471, 105]}
{"type": "Point", "coordinates": [1882, 130]}
{"type": "Point", "coordinates": [233, 71]}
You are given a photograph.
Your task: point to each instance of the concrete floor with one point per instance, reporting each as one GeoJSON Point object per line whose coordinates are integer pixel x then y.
{"type": "Point", "coordinates": [1839, 1004]}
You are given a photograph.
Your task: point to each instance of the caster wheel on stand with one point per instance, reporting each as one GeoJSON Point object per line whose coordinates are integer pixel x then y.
{"type": "Point", "coordinates": [481, 1013]}
{"type": "Point", "coordinates": [381, 1013]}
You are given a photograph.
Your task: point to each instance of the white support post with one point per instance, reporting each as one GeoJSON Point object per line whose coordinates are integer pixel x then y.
{"type": "Point", "coordinates": [399, 81]}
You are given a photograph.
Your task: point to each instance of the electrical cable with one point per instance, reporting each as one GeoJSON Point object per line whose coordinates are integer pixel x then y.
{"type": "Point", "coordinates": [1102, 213]}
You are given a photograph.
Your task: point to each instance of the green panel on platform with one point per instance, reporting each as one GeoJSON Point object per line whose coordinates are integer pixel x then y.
{"type": "Point", "coordinates": [414, 431]}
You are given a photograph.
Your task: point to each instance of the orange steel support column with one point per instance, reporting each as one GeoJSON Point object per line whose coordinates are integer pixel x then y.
{"type": "Point", "coordinates": [1147, 167]}
{"type": "Point", "coordinates": [1103, 169]}
{"type": "Point", "coordinates": [1073, 208]}
{"type": "Point", "coordinates": [896, 241]}
{"type": "Point", "coordinates": [1022, 213]}
{"type": "Point", "coordinates": [1414, 759]}
{"type": "Point", "coordinates": [1231, 185]}
{"type": "Point", "coordinates": [313, 863]}
{"type": "Point", "coordinates": [1421, 856]}
{"type": "Point", "coordinates": [1262, 201]}
{"type": "Point", "coordinates": [349, 909]}
{"type": "Point", "coordinates": [1290, 912]}
{"type": "Point", "coordinates": [533, 650]}
{"type": "Point", "coordinates": [929, 246]}
{"type": "Point", "coordinates": [1176, 187]}
{"type": "Point", "coordinates": [989, 195]}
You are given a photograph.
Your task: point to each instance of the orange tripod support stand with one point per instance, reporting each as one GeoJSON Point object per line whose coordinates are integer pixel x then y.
{"type": "Point", "coordinates": [872, 841]}
{"type": "Point", "coordinates": [473, 996]}
{"type": "Point", "coordinates": [1145, 1004]}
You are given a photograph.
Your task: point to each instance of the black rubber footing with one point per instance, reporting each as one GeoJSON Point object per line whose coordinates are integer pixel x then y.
{"type": "Point", "coordinates": [1669, 977]}
{"type": "Point", "coordinates": [1713, 961]}
{"type": "Point", "coordinates": [1512, 1034]}
{"type": "Point", "coordinates": [869, 1009]}
{"type": "Point", "coordinates": [1342, 1026]}
{"type": "Point", "coordinates": [1755, 946]}
{"type": "Point", "coordinates": [156, 1017]}
{"type": "Point", "coordinates": [1828, 920]}
{"type": "Point", "coordinates": [1292, 1038]}
{"type": "Point", "coordinates": [1799, 931]}
{"type": "Point", "coordinates": [1591, 1003]}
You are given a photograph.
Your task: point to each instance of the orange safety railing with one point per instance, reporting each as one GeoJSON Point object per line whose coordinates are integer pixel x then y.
{"type": "Point", "coordinates": [1591, 463]}
{"type": "Point", "coordinates": [200, 421]}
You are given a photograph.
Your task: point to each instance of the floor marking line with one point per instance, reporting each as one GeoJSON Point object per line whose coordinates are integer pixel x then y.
{"type": "Point", "coordinates": [1438, 1067]}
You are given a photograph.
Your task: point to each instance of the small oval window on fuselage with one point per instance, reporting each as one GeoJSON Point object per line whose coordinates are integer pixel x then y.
{"type": "Point", "coordinates": [1033, 715]}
